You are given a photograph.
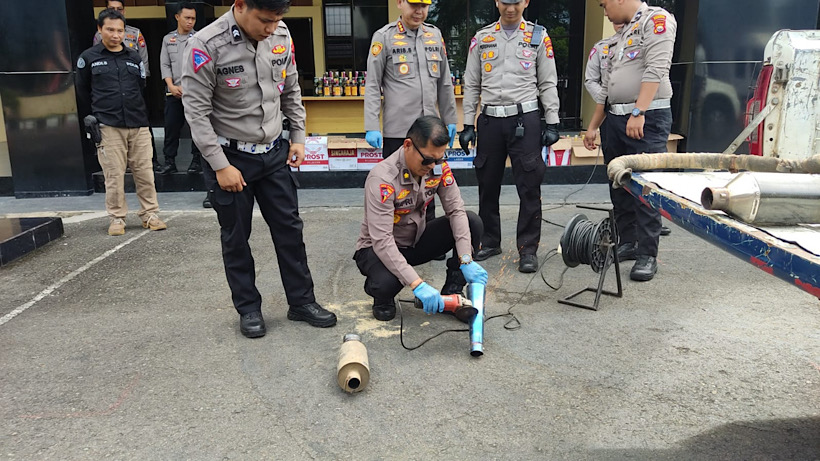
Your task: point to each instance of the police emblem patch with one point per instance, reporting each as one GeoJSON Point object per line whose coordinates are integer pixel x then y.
{"type": "Point", "coordinates": [526, 64]}
{"type": "Point", "coordinates": [80, 63]}
{"type": "Point", "coordinates": [385, 191]}
{"type": "Point", "coordinates": [404, 69]}
{"type": "Point", "coordinates": [428, 34]}
{"type": "Point", "coordinates": [434, 67]}
{"type": "Point", "coordinates": [403, 193]}
{"type": "Point", "coordinates": [281, 87]}
{"type": "Point", "coordinates": [141, 41]}
{"type": "Point", "coordinates": [402, 58]}
{"type": "Point", "coordinates": [633, 54]}
{"type": "Point", "coordinates": [376, 49]}
{"type": "Point", "coordinates": [233, 82]}
{"type": "Point", "coordinates": [399, 43]}
{"type": "Point", "coordinates": [199, 58]}
{"type": "Point", "coordinates": [430, 183]}
{"type": "Point", "coordinates": [527, 53]}
{"type": "Point", "coordinates": [172, 40]}
{"type": "Point", "coordinates": [488, 39]}
{"type": "Point", "coordinates": [488, 67]}
{"type": "Point", "coordinates": [398, 36]}
{"type": "Point", "coordinates": [660, 23]}
{"type": "Point", "coordinates": [430, 42]}
{"type": "Point", "coordinates": [592, 53]}
{"type": "Point", "coordinates": [279, 49]}
{"type": "Point", "coordinates": [473, 43]}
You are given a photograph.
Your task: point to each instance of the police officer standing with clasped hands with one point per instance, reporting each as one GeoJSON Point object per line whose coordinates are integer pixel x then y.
{"type": "Point", "coordinates": [170, 58]}
{"type": "Point", "coordinates": [238, 81]}
{"type": "Point", "coordinates": [635, 99]}
{"type": "Point", "coordinates": [408, 63]}
{"type": "Point", "coordinates": [511, 67]}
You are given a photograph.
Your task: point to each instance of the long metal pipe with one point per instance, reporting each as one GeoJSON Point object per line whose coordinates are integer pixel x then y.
{"type": "Point", "coordinates": [476, 291]}
{"type": "Point", "coordinates": [620, 169]}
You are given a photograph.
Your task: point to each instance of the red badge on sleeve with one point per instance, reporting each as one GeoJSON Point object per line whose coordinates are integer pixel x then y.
{"type": "Point", "coordinates": [386, 190]}
{"type": "Point", "coordinates": [592, 53]}
{"type": "Point", "coordinates": [473, 43]}
{"type": "Point", "coordinates": [660, 23]}
{"type": "Point", "coordinates": [200, 58]}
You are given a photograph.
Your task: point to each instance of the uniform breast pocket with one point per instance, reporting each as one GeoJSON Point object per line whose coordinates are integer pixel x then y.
{"type": "Point", "coordinates": [526, 60]}
{"type": "Point", "coordinates": [434, 64]}
{"type": "Point", "coordinates": [404, 65]}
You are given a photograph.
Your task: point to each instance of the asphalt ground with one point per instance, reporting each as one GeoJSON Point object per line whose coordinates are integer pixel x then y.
{"type": "Point", "coordinates": [129, 348]}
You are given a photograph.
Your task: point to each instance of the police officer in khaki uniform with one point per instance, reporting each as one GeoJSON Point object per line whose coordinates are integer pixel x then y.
{"type": "Point", "coordinates": [395, 236]}
{"type": "Point", "coordinates": [238, 81]}
{"type": "Point", "coordinates": [635, 99]}
{"type": "Point", "coordinates": [170, 60]}
{"type": "Point", "coordinates": [597, 62]}
{"type": "Point", "coordinates": [408, 63]}
{"type": "Point", "coordinates": [511, 67]}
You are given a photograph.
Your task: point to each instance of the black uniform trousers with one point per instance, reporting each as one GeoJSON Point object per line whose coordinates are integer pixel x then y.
{"type": "Point", "coordinates": [271, 183]}
{"type": "Point", "coordinates": [391, 145]}
{"type": "Point", "coordinates": [174, 121]}
{"type": "Point", "coordinates": [436, 239]}
{"type": "Point", "coordinates": [635, 221]}
{"type": "Point", "coordinates": [496, 140]}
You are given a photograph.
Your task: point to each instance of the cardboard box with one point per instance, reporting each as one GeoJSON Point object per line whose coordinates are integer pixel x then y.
{"type": "Point", "coordinates": [315, 154]}
{"type": "Point", "coordinates": [460, 160]}
{"type": "Point", "coordinates": [341, 154]}
{"type": "Point", "coordinates": [672, 143]}
{"type": "Point", "coordinates": [557, 154]}
{"type": "Point", "coordinates": [366, 156]}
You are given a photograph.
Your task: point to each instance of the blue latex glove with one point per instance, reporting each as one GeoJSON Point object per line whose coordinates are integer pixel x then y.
{"type": "Point", "coordinates": [474, 273]}
{"type": "Point", "coordinates": [451, 129]}
{"type": "Point", "coordinates": [430, 297]}
{"type": "Point", "coordinates": [374, 138]}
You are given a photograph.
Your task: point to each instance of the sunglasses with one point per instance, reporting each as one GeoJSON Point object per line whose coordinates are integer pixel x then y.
{"type": "Point", "coordinates": [425, 160]}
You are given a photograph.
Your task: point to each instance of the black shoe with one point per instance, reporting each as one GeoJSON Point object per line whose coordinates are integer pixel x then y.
{"type": "Point", "coordinates": [644, 269]}
{"type": "Point", "coordinates": [195, 167]}
{"type": "Point", "coordinates": [168, 168]}
{"type": "Point", "coordinates": [665, 230]}
{"type": "Point", "coordinates": [384, 310]}
{"type": "Point", "coordinates": [626, 251]}
{"type": "Point", "coordinates": [207, 202]}
{"type": "Point", "coordinates": [313, 314]}
{"type": "Point", "coordinates": [156, 164]}
{"type": "Point", "coordinates": [252, 325]}
{"type": "Point", "coordinates": [454, 283]}
{"type": "Point", "coordinates": [528, 264]}
{"type": "Point", "coordinates": [486, 252]}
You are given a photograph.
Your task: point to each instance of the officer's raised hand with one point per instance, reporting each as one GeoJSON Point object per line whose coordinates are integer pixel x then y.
{"type": "Point", "coordinates": [296, 154]}
{"type": "Point", "coordinates": [549, 133]}
{"type": "Point", "coordinates": [374, 138]}
{"type": "Point", "coordinates": [474, 273]}
{"type": "Point", "coordinates": [430, 298]}
{"type": "Point", "coordinates": [230, 179]}
{"type": "Point", "coordinates": [451, 130]}
{"type": "Point", "coordinates": [466, 137]}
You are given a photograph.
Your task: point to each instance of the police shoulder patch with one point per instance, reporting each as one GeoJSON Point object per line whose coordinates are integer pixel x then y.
{"type": "Point", "coordinates": [80, 63]}
{"type": "Point", "coordinates": [376, 49]}
{"type": "Point", "coordinates": [199, 58]}
{"type": "Point", "coordinates": [385, 191]}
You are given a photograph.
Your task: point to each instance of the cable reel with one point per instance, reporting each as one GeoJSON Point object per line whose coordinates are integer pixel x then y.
{"type": "Point", "coordinates": [592, 244]}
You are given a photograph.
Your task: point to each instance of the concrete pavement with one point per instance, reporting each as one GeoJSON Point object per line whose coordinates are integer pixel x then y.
{"type": "Point", "coordinates": [128, 347]}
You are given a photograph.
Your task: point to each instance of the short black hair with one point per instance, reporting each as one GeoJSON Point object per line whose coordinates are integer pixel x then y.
{"type": "Point", "coordinates": [428, 128]}
{"type": "Point", "coordinates": [186, 6]}
{"type": "Point", "coordinates": [277, 6]}
{"type": "Point", "coordinates": [108, 2]}
{"type": "Point", "coordinates": [108, 13]}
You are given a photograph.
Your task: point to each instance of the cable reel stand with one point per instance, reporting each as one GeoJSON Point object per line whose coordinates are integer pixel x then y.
{"type": "Point", "coordinates": [585, 242]}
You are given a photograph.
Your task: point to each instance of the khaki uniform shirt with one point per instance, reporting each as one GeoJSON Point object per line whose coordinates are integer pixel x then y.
{"type": "Point", "coordinates": [133, 39]}
{"type": "Point", "coordinates": [505, 71]}
{"type": "Point", "coordinates": [411, 67]}
{"type": "Point", "coordinates": [596, 66]}
{"type": "Point", "coordinates": [231, 89]}
{"type": "Point", "coordinates": [642, 53]}
{"type": "Point", "coordinates": [394, 212]}
{"type": "Point", "coordinates": [171, 55]}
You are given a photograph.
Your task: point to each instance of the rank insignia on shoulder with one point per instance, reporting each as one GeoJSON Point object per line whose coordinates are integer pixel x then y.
{"type": "Point", "coordinates": [385, 191]}
{"type": "Point", "coordinates": [235, 32]}
{"type": "Point", "coordinates": [660, 23]}
{"type": "Point", "coordinates": [400, 26]}
{"type": "Point", "coordinates": [376, 49]}
{"type": "Point", "coordinates": [200, 58]}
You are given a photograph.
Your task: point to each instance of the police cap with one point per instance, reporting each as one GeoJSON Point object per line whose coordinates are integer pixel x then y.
{"type": "Point", "coordinates": [423, 2]}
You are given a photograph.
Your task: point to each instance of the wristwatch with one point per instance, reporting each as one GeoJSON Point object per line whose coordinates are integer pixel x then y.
{"type": "Point", "coordinates": [637, 112]}
{"type": "Point", "coordinates": [465, 259]}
